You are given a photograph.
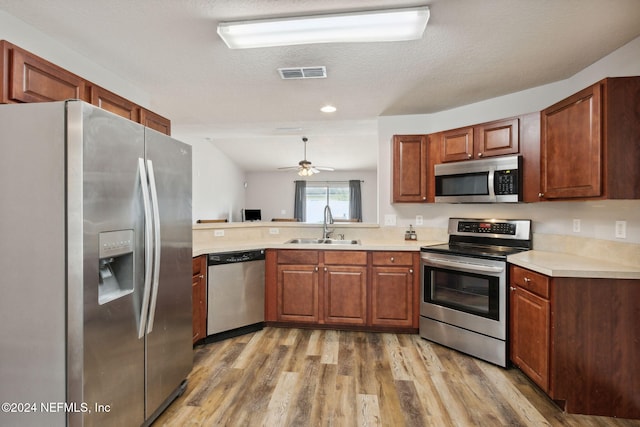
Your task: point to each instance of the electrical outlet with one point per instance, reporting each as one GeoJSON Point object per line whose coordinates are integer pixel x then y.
{"type": "Point", "coordinates": [390, 219]}
{"type": "Point", "coordinates": [218, 233]}
{"type": "Point", "coordinates": [621, 229]}
{"type": "Point", "coordinates": [418, 219]}
{"type": "Point", "coordinates": [274, 231]}
{"type": "Point", "coordinates": [576, 225]}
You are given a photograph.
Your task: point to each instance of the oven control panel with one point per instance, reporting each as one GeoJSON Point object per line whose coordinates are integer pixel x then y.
{"type": "Point", "coordinates": [487, 227]}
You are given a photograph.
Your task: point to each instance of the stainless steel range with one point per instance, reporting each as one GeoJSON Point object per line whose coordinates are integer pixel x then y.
{"type": "Point", "coordinates": [463, 301]}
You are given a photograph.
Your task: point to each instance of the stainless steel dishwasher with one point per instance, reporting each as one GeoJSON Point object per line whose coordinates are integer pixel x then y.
{"type": "Point", "coordinates": [235, 294]}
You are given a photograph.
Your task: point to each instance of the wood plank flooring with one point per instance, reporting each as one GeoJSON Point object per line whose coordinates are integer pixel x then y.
{"type": "Point", "coordinates": [299, 377]}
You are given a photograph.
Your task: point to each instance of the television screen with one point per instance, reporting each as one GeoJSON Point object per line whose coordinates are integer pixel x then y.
{"type": "Point", "coordinates": [251, 215]}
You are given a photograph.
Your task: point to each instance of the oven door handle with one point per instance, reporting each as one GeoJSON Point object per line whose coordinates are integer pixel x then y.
{"type": "Point", "coordinates": [439, 262]}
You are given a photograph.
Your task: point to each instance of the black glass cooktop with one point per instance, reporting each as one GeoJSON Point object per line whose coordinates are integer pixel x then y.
{"type": "Point", "coordinates": [475, 251]}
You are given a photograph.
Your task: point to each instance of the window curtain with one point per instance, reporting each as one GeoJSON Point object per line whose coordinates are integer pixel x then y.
{"type": "Point", "coordinates": [355, 200]}
{"type": "Point", "coordinates": [299, 202]}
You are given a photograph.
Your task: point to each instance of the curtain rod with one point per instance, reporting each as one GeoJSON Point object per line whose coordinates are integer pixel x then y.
{"type": "Point", "coordinates": [329, 182]}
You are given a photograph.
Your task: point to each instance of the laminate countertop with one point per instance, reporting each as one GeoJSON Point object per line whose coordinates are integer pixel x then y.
{"type": "Point", "coordinates": [365, 245]}
{"type": "Point", "coordinates": [556, 264]}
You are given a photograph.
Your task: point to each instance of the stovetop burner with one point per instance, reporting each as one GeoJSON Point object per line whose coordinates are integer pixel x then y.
{"type": "Point", "coordinates": [485, 238]}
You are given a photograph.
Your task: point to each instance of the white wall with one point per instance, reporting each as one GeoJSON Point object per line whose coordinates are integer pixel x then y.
{"type": "Point", "coordinates": [597, 218]}
{"type": "Point", "coordinates": [218, 184]}
{"type": "Point", "coordinates": [273, 192]}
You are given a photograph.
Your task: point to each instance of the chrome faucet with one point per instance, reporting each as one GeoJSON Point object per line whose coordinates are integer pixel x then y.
{"type": "Point", "coordinates": [328, 219]}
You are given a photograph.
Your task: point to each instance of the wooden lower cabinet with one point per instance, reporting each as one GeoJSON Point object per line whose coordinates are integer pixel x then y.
{"type": "Point", "coordinates": [361, 289]}
{"type": "Point", "coordinates": [578, 339]}
{"type": "Point", "coordinates": [393, 289]}
{"type": "Point", "coordinates": [199, 297]}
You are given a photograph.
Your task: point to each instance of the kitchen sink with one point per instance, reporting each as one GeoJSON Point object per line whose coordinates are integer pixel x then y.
{"type": "Point", "coordinates": [312, 241]}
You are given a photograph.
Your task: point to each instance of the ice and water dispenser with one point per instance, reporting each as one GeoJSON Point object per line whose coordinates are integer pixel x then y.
{"type": "Point", "coordinates": [116, 265]}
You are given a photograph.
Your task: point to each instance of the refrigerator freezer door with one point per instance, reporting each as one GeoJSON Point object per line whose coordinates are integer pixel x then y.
{"type": "Point", "coordinates": [169, 347]}
{"type": "Point", "coordinates": [113, 357]}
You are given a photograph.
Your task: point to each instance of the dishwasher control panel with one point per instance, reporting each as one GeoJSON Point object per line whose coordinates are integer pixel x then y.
{"type": "Point", "coordinates": [233, 257]}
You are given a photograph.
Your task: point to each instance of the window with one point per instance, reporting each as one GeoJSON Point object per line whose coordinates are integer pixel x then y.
{"type": "Point", "coordinates": [320, 194]}
{"type": "Point", "coordinates": [343, 197]}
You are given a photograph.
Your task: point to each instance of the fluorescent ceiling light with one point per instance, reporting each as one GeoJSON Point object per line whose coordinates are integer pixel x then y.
{"type": "Point", "coordinates": [370, 26]}
{"type": "Point", "coordinates": [328, 109]}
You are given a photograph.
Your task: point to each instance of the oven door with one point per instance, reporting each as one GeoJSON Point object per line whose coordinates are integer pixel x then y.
{"type": "Point", "coordinates": [466, 292]}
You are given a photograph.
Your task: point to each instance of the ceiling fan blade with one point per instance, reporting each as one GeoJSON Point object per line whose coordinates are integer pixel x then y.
{"type": "Point", "coordinates": [324, 168]}
{"type": "Point", "coordinates": [289, 168]}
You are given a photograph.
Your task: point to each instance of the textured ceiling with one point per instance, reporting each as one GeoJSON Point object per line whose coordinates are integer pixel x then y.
{"type": "Point", "coordinates": [472, 50]}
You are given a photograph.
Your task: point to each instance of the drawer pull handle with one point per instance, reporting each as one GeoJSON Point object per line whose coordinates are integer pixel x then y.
{"type": "Point", "coordinates": [393, 259]}
{"type": "Point", "coordinates": [527, 280]}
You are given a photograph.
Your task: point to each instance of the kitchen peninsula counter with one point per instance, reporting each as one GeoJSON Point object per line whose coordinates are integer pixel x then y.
{"type": "Point", "coordinates": [555, 264]}
{"type": "Point", "coordinates": [372, 245]}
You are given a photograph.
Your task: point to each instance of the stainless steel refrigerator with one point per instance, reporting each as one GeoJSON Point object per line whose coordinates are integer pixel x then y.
{"type": "Point", "coordinates": [95, 267]}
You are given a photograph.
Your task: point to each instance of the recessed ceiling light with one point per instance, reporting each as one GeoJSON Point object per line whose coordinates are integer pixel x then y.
{"type": "Point", "coordinates": [328, 109]}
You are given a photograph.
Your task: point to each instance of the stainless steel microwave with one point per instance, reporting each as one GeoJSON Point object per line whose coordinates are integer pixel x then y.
{"type": "Point", "coordinates": [494, 180]}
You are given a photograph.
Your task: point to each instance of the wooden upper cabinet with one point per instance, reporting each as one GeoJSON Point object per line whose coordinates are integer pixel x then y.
{"type": "Point", "coordinates": [457, 145]}
{"type": "Point", "coordinates": [29, 78]}
{"type": "Point", "coordinates": [496, 138]}
{"type": "Point", "coordinates": [155, 121]}
{"type": "Point", "coordinates": [410, 168]}
{"type": "Point", "coordinates": [26, 77]}
{"type": "Point", "coordinates": [114, 103]}
{"type": "Point", "coordinates": [589, 143]}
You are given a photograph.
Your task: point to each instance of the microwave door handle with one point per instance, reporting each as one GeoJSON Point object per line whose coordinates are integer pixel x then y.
{"type": "Point", "coordinates": [490, 183]}
{"type": "Point", "coordinates": [439, 262]}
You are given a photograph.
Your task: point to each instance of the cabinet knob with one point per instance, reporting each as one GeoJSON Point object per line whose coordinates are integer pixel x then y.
{"type": "Point", "coordinates": [424, 198]}
{"type": "Point", "coordinates": [315, 269]}
{"type": "Point", "coordinates": [512, 288]}
{"type": "Point", "coordinates": [527, 280]}
{"type": "Point", "coordinates": [480, 154]}
{"type": "Point", "coordinates": [469, 155]}
{"type": "Point", "coordinates": [540, 194]}
{"type": "Point", "coordinates": [202, 276]}
{"type": "Point", "coordinates": [326, 269]}
{"type": "Point", "coordinates": [411, 271]}
{"type": "Point", "coordinates": [393, 259]}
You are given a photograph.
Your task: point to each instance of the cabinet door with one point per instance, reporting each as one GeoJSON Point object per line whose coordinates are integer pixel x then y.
{"type": "Point", "coordinates": [456, 145]}
{"type": "Point", "coordinates": [199, 298]}
{"type": "Point", "coordinates": [113, 103]}
{"type": "Point", "coordinates": [497, 138]}
{"type": "Point", "coordinates": [410, 168]}
{"type": "Point", "coordinates": [33, 79]}
{"type": "Point", "coordinates": [298, 293]}
{"type": "Point", "coordinates": [530, 335]}
{"type": "Point", "coordinates": [155, 121]}
{"type": "Point", "coordinates": [345, 295]}
{"type": "Point", "coordinates": [392, 296]}
{"type": "Point", "coordinates": [571, 147]}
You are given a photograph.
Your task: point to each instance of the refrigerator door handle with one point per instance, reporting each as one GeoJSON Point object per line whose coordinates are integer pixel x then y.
{"type": "Point", "coordinates": [156, 246]}
{"type": "Point", "coordinates": [148, 243]}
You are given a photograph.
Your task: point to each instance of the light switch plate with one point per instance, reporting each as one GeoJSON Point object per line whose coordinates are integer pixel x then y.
{"type": "Point", "coordinates": [389, 219]}
{"type": "Point", "coordinates": [418, 219]}
{"type": "Point", "coordinates": [576, 225]}
{"type": "Point", "coordinates": [218, 233]}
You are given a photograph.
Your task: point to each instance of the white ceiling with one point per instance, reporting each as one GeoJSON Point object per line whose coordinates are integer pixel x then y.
{"type": "Point", "coordinates": [472, 50]}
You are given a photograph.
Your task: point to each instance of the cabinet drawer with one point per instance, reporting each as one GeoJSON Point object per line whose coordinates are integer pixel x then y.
{"type": "Point", "coordinates": [345, 257]}
{"type": "Point", "coordinates": [392, 258]}
{"type": "Point", "coordinates": [297, 257]}
{"type": "Point", "coordinates": [531, 281]}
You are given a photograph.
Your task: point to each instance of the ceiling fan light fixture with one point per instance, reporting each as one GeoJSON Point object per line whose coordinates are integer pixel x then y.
{"type": "Point", "coordinates": [355, 27]}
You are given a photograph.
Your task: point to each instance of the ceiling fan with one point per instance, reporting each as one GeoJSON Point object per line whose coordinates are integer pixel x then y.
{"type": "Point", "coordinates": [305, 168]}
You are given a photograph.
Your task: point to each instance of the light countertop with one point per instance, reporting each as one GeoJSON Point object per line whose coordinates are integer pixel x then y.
{"type": "Point", "coordinates": [365, 245]}
{"type": "Point", "coordinates": [555, 264]}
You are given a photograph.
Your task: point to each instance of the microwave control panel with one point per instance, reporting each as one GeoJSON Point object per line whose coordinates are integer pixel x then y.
{"type": "Point", "coordinates": [505, 182]}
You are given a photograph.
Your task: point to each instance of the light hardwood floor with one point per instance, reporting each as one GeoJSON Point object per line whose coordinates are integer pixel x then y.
{"type": "Point", "coordinates": [299, 377]}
